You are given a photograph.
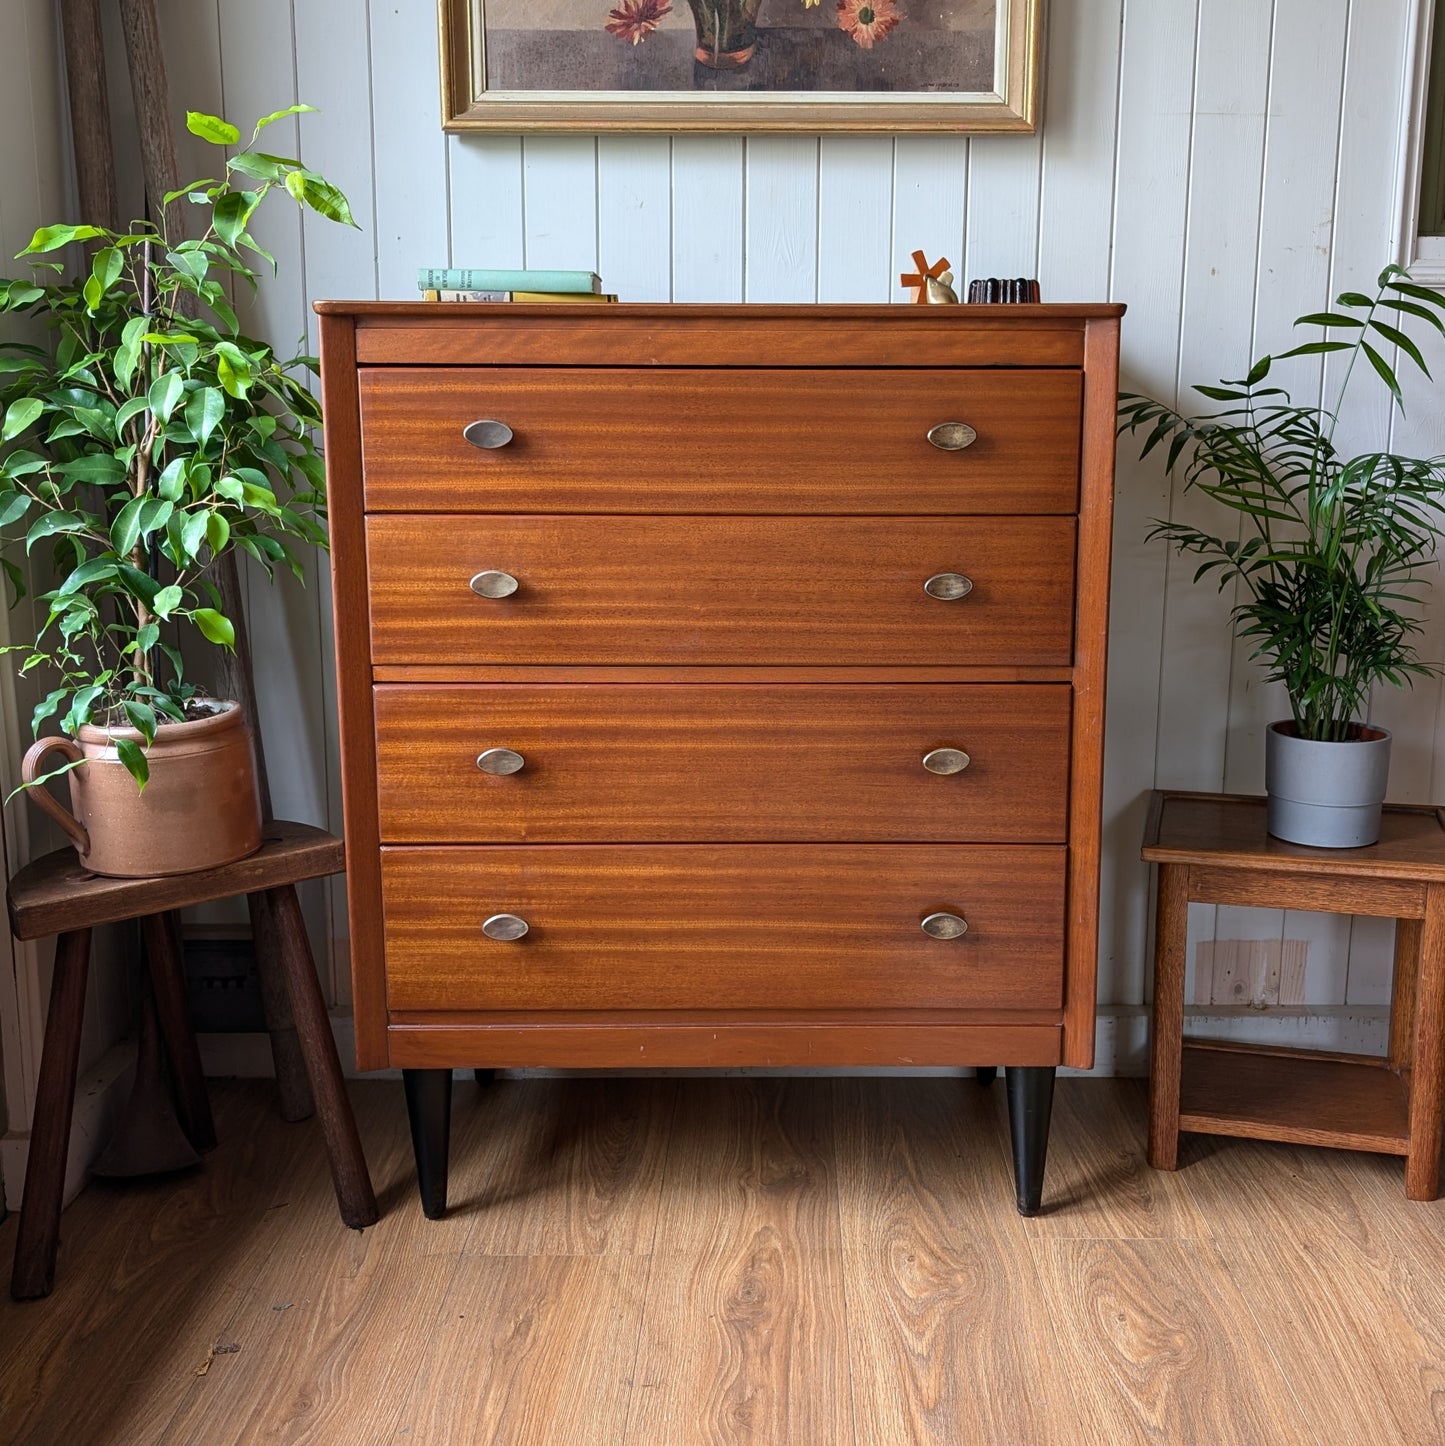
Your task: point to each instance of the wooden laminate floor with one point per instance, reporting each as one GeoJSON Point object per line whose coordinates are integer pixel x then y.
{"type": "Point", "coordinates": [792, 1262]}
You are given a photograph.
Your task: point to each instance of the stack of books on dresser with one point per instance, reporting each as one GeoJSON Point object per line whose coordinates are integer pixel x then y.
{"type": "Point", "coordinates": [461, 283]}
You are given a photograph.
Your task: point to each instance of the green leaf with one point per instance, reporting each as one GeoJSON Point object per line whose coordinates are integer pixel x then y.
{"type": "Point", "coordinates": [324, 198]}
{"type": "Point", "coordinates": [20, 415]}
{"type": "Point", "coordinates": [92, 291]}
{"type": "Point", "coordinates": [218, 532]}
{"type": "Point", "coordinates": [134, 759]}
{"type": "Point", "coordinates": [1327, 318]}
{"type": "Point", "coordinates": [193, 532]}
{"type": "Point", "coordinates": [1406, 345]}
{"type": "Point", "coordinates": [96, 467]}
{"type": "Point", "coordinates": [1315, 348]}
{"type": "Point", "coordinates": [166, 601]}
{"type": "Point", "coordinates": [204, 411]}
{"type": "Point", "coordinates": [98, 569]}
{"type": "Point", "coordinates": [125, 530]}
{"type": "Point", "coordinates": [296, 185]}
{"type": "Point", "coordinates": [128, 352]}
{"type": "Point", "coordinates": [165, 392]}
{"type": "Point", "coordinates": [282, 114]}
{"type": "Point", "coordinates": [172, 481]}
{"type": "Point", "coordinates": [259, 167]}
{"type": "Point", "coordinates": [215, 627]}
{"type": "Point", "coordinates": [236, 381]}
{"type": "Point", "coordinates": [142, 717]}
{"type": "Point", "coordinates": [231, 488]}
{"type": "Point", "coordinates": [51, 524]}
{"type": "Point", "coordinates": [1386, 374]}
{"type": "Point", "coordinates": [52, 238]}
{"type": "Point", "coordinates": [230, 214]}
{"type": "Point", "coordinates": [212, 128]}
{"type": "Point", "coordinates": [14, 508]}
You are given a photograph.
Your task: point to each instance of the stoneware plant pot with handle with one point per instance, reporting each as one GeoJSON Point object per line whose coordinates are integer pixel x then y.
{"type": "Point", "coordinates": [200, 809]}
{"type": "Point", "coordinates": [1327, 795]}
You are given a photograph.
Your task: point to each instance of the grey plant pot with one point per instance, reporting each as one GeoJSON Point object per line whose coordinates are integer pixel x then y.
{"type": "Point", "coordinates": [1327, 795]}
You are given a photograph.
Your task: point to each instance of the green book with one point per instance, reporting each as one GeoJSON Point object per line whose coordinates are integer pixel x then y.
{"type": "Point", "coordinates": [461, 278]}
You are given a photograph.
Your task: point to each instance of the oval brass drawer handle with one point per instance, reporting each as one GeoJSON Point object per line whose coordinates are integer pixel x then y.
{"type": "Point", "coordinates": [501, 761]}
{"type": "Point", "coordinates": [952, 436]}
{"type": "Point", "coordinates": [945, 926]}
{"type": "Point", "coordinates": [505, 927]}
{"type": "Point", "coordinates": [493, 584]}
{"type": "Point", "coordinates": [487, 433]}
{"type": "Point", "coordinates": [950, 586]}
{"type": "Point", "coordinates": [940, 760]}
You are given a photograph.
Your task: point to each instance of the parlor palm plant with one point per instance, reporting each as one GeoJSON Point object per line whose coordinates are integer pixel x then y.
{"type": "Point", "coordinates": [1330, 550]}
{"type": "Point", "coordinates": [150, 437]}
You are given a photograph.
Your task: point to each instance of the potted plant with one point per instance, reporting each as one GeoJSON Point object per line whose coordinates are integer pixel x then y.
{"type": "Point", "coordinates": [1329, 551]}
{"type": "Point", "coordinates": [147, 440]}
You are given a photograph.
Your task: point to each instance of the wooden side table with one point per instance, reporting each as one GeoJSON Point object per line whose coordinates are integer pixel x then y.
{"type": "Point", "coordinates": [56, 895]}
{"type": "Point", "coordinates": [1214, 849]}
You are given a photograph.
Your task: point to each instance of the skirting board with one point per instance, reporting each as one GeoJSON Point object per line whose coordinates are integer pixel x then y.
{"type": "Point", "coordinates": [100, 1094]}
{"type": "Point", "coordinates": [1121, 1049]}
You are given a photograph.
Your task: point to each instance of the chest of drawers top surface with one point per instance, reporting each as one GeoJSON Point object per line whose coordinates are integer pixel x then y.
{"type": "Point", "coordinates": [798, 648]}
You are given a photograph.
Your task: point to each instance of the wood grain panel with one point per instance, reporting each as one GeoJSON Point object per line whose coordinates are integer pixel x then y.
{"type": "Point", "coordinates": [588, 439]}
{"type": "Point", "coordinates": [941, 1296]}
{"type": "Point", "coordinates": [708, 1044]}
{"type": "Point", "coordinates": [720, 590]}
{"type": "Point", "coordinates": [747, 1250]}
{"type": "Point", "coordinates": [722, 764]}
{"type": "Point", "coordinates": [720, 927]}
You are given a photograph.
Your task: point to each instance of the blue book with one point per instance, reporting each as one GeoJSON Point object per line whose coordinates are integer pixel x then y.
{"type": "Point", "coordinates": [462, 278]}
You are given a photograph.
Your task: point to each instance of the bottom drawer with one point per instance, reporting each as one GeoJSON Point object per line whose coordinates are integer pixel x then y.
{"type": "Point", "coordinates": [741, 926]}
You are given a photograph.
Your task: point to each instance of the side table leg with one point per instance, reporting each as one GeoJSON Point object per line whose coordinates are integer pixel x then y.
{"type": "Point", "coordinates": [1402, 994]}
{"type": "Point", "coordinates": [38, 1236]}
{"type": "Point", "coordinates": [1030, 1104]}
{"type": "Point", "coordinates": [160, 934]}
{"type": "Point", "coordinates": [1171, 930]}
{"type": "Point", "coordinates": [429, 1109]}
{"type": "Point", "coordinates": [354, 1195]}
{"type": "Point", "coordinates": [1427, 1077]}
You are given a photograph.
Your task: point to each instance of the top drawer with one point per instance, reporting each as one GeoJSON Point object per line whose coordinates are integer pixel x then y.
{"type": "Point", "coordinates": [666, 439]}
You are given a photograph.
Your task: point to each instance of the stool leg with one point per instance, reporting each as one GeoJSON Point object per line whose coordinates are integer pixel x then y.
{"type": "Point", "coordinates": [349, 1174]}
{"type": "Point", "coordinates": [1171, 929]}
{"type": "Point", "coordinates": [39, 1231]}
{"type": "Point", "coordinates": [1402, 995]}
{"type": "Point", "coordinates": [1427, 1076]}
{"type": "Point", "coordinates": [293, 1093]}
{"type": "Point", "coordinates": [161, 936]}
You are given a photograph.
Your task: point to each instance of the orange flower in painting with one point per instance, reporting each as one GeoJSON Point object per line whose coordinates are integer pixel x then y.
{"type": "Point", "coordinates": [635, 20]}
{"type": "Point", "coordinates": [868, 20]}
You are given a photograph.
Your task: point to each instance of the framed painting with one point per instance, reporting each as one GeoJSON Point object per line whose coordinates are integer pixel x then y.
{"type": "Point", "coordinates": [739, 65]}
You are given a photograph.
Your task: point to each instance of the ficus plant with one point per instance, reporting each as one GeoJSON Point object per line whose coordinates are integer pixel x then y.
{"type": "Point", "coordinates": [149, 437]}
{"type": "Point", "coordinates": [1329, 550]}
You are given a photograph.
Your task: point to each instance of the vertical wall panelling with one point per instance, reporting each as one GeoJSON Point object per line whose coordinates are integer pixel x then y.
{"type": "Point", "coordinates": [1155, 122]}
{"type": "Point", "coordinates": [1296, 230]}
{"type": "Point", "coordinates": [1227, 149]}
{"type": "Point", "coordinates": [930, 185]}
{"type": "Point", "coordinates": [707, 218]}
{"type": "Point", "coordinates": [411, 184]}
{"type": "Point", "coordinates": [283, 616]}
{"type": "Point", "coordinates": [1001, 236]}
{"type": "Point", "coordinates": [1219, 167]}
{"type": "Point", "coordinates": [1081, 98]}
{"type": "Point", "coordinates": [333, 73]}
{"type": "Point", "coordinates": [781, 219]}
{"type": "Point", "coordinates": [561, 209]}
{"type": "Point", "coordinates": [486, 196]}
{"type": "Point", "coordinates": [855, 208]}
{"type": "Point", "coordinates": [634, 216]}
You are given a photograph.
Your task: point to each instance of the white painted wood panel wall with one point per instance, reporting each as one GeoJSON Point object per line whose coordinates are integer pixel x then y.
{"type": "Point", "coordinates": [1219, 165]}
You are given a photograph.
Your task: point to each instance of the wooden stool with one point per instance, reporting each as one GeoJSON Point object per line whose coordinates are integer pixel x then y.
{"type": "Point", "coordinates": [1213, 849]}
{"type": "Point", "coordinates": [55, 895]}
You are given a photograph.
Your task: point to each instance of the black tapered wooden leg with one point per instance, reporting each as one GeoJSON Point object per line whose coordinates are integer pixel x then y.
{"type": "Point", "coordinates": [484, 1076]}
{"type": "Point", "coordinates": [1030, 1102]}
{"type": "Point", "coordinates": [429, 1108]}
{"type": "Point", "coordinates": [985, 1074]}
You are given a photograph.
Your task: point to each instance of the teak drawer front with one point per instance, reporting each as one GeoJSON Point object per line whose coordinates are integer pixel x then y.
{"type": "Point", "coordinates": [823, 590]}
{"type": "Point", "coordinates": [618, 439]}
{"type": "Point", "coordinates": [723, 763]}
{"type": "Point", "coordinates": [736, 926]}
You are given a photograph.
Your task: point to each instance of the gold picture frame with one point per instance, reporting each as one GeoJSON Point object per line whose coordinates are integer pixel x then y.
{"type": "Point", "coordinates": [535, 43]}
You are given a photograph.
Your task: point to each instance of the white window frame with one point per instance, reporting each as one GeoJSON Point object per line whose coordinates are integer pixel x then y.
{"type": "Point", "coordinates": [1423, 255]}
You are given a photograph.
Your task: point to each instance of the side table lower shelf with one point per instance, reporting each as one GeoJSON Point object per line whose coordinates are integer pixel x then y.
{"type": "Point", "coordinates": [1350, 1102]}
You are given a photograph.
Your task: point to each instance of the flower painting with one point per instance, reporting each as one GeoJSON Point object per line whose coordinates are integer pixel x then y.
{"type": "Point", "coordinates": [740, 64]}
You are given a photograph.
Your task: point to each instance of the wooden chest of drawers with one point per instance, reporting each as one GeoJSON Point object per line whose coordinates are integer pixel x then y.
{"type": "Point", "coordinates": [733, 697]}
